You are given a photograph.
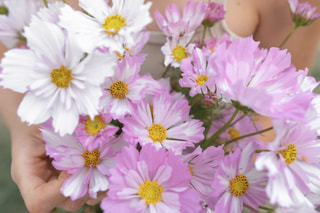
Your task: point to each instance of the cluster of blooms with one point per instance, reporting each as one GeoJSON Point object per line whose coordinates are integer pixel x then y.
{"type": "Point", "coordinates": [154, 148]}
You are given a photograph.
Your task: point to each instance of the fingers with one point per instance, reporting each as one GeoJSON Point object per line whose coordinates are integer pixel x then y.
{"type": "Point", "coordinates": [46, 196]}
{"type": "Point", "coordinates": [93, 202]}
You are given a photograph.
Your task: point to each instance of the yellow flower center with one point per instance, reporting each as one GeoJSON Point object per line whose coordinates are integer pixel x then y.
{"type": "Point", "coordinates": [201, 80]}
{"type": "Point", "coordinates": [151, 192]}
{"type": "Point", "coordinates": [239, 185]}
{"type": "Point", "coordinates": [94, 126]}
{"type": "Point", "coordinates": [112, 24]}
{"type": "Point", "coordinates": [61, 77]}
{"type": "Point", "coordinates": [118, 89]}
{"type": "Point", "coordinates": [91, 159]}
{"type": "Point", "coordinates": [179, 53]}
{"type": "Point", "coordinates": [233, 133]}
{"type": "Point", "coordinates": [289, 154]}
{"type": "Point", "coordinates": [157, 133]}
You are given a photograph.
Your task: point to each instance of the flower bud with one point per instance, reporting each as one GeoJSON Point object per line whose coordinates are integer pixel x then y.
{"type": "Point", "coordinates": [214, 12]}
{"type": "Point", "coordinates": [210, 99]}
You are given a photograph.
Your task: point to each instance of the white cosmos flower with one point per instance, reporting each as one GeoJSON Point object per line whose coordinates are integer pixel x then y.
{"type": "Point", "coordinates": [14, 15]}
{"type": "Point", "coordinates": [107, 26]}
{"type": "Point", "coordinates": [59, 81]}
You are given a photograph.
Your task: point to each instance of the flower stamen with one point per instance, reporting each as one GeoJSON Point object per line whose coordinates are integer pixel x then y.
{"type": "Point", "coordinates": [239, 185]}
{"type": "Point", "coordinates": [179, 53]}
{"type": "Point", "coordinates": [201, 80]}
{"type": "Point", "coordinates": [94, 126]}
{"type": "Point", "coordinates": [151, 192]}
{"type": "Point", "coordinates": [233, 133]}
{"type": "Point", "coordinates": [118, 89]}
{"type": "Point", "coordinates": [113, 24]}
{"type": "Point", "coordinates": [157, 133]}
{"type": "Point", "coordinates": [289, 154]}
{"type": "Point", "coordinates": [61, 77]}
{"type": "Point", "coordinates": [91, 159]}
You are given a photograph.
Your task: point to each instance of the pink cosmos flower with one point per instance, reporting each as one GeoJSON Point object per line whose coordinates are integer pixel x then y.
{"type": "Point", "coordinates": [267, 83]}
{"type": "Point", "coordinates": [88, 169]}
{"type": "Point", "coordinates": [106, 26]}
{"type": "Point", "coordinates": [176, 50]}
{"type": "Point", "coordinates": [175, 24]}
{"type": "Point", "coordinates": [14, 16]}
{"type": "Point", "coordinates": [164, 122]}
{"type": "Point", "coordinates": [59, 80]}
{"type": "Point", "coordinates": [292, 163]}
{"type": "Point", "coordinates": [126, 87]}
{"type": "Point", "coordinates": [196, 74]}
{"type": "Point", "coordinates": [303, 13]}
{"type": "Point", "coordinates": [236, 182]}
{"type": "Point", "coordinates": [202, 165]}
{"type": "Point", "coordinates": [133, 50]}
{"type": "Point", "coordinates": [154, 180]}
{"type": "Point", "coordinates": [92, 132]}
{"type": "Point", "coordinates": [214, 12]}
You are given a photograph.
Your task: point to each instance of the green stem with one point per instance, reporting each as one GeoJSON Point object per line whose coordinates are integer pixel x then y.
{"type": "Point", "coordinates": [234, 122]}
{"type": "Point", "coordinates": [288, 36]}
{"type": "Point", "coordinates": [45, 3]}
{"type": "Point", "coordinates": [208, 127]}
{"type": "Point", "coordinates": [219, 131]}
{"type": "Point", "coordinates": [166, 70]}
{"type": "Point", "coordinates": [251, 208]}
{"type": "Point", "coordinates": [203, 35]}
{"type": "Point", "coordinates": [265, 208]}
{"type": "Point", "coordinates": [64, 1]}
{"type": "Point", "coordinates": [248, 135]}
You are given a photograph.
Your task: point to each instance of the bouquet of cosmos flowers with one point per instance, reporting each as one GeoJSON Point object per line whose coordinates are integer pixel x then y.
{"type": "Point", "coordinates": [187, 142]}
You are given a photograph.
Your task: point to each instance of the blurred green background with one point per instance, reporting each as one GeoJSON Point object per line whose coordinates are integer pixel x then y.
{"type": "Point", "coordinates": [10, 199]}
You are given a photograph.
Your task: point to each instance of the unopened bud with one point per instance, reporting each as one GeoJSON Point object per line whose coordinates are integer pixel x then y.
{"type": "Point", "coordinates": [210, 99]}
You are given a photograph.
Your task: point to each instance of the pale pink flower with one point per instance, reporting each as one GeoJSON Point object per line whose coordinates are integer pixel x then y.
{"type": "Point", "coordinates": [14, 16]}
{"type": "Point", "coordinates": [236, 182]}
{"type": "Point", "coordinates": [88, 169]}
{"type": "Point", "coordinates": [214, 12]}
{"type": "Point", "coordinates": [303, 13]}
{"type": "Point", "coordinates": [196, 74]}
{"type": "Point", "coordinates": [164, 122]}
{"type": "Point", "coordinates": [266, 83]}
{"type": "Point", "coordinates": [126, 87]}
{"type": "Point", "coordinates": [60, 82]}
{"type": "Point", "coordinates": [176, 24]}
{"type": "Point", "coordinates": [152, 181]}
{"type": "Point", "coordinates": [92, 132]}
{"type": "Point", "coordinates": [202, 166]}
{"type": "Point", "coordinates": [106, 26]}
{"type": "Point", "coordinates": [292, 162]}
{"type": "Point", "coordinates": [176, 50]}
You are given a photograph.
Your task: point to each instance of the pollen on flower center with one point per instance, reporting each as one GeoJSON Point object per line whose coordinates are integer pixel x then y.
{"type": "Point", "coordinates": [94, 126]}
{"type": "Point", "coordinates": [113, 24]}
{"type": "Point", "coordinates": [179, 53]}
{"type": "Point", "coordinates": [151, 192]}
{"type": "Point", "coordinates": [201, 80]}
{"type": "Point", "coordinates": [190, 170]}
{"type": "Point", "coordinates": [118, 89]}
{"type": "Point", "coordinates": [233, 133]}
{"type": "Point", "coordinates": [91, 159]}
{"type": "Point", "coordinates": [289, 154]}
{"type": "Point", "coordinates": [239, 185]}
{"type": "Point", "coordinates": [61, 77]}
{"type": "Point", "coordinates": [157, 133]}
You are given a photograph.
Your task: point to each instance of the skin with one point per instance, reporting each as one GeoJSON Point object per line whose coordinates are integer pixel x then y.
{"type": "Point", "coordinates": [31, 170]}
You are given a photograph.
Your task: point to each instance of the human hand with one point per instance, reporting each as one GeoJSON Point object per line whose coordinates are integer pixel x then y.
{"type": "Point", "coordinates": [31, 170]}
